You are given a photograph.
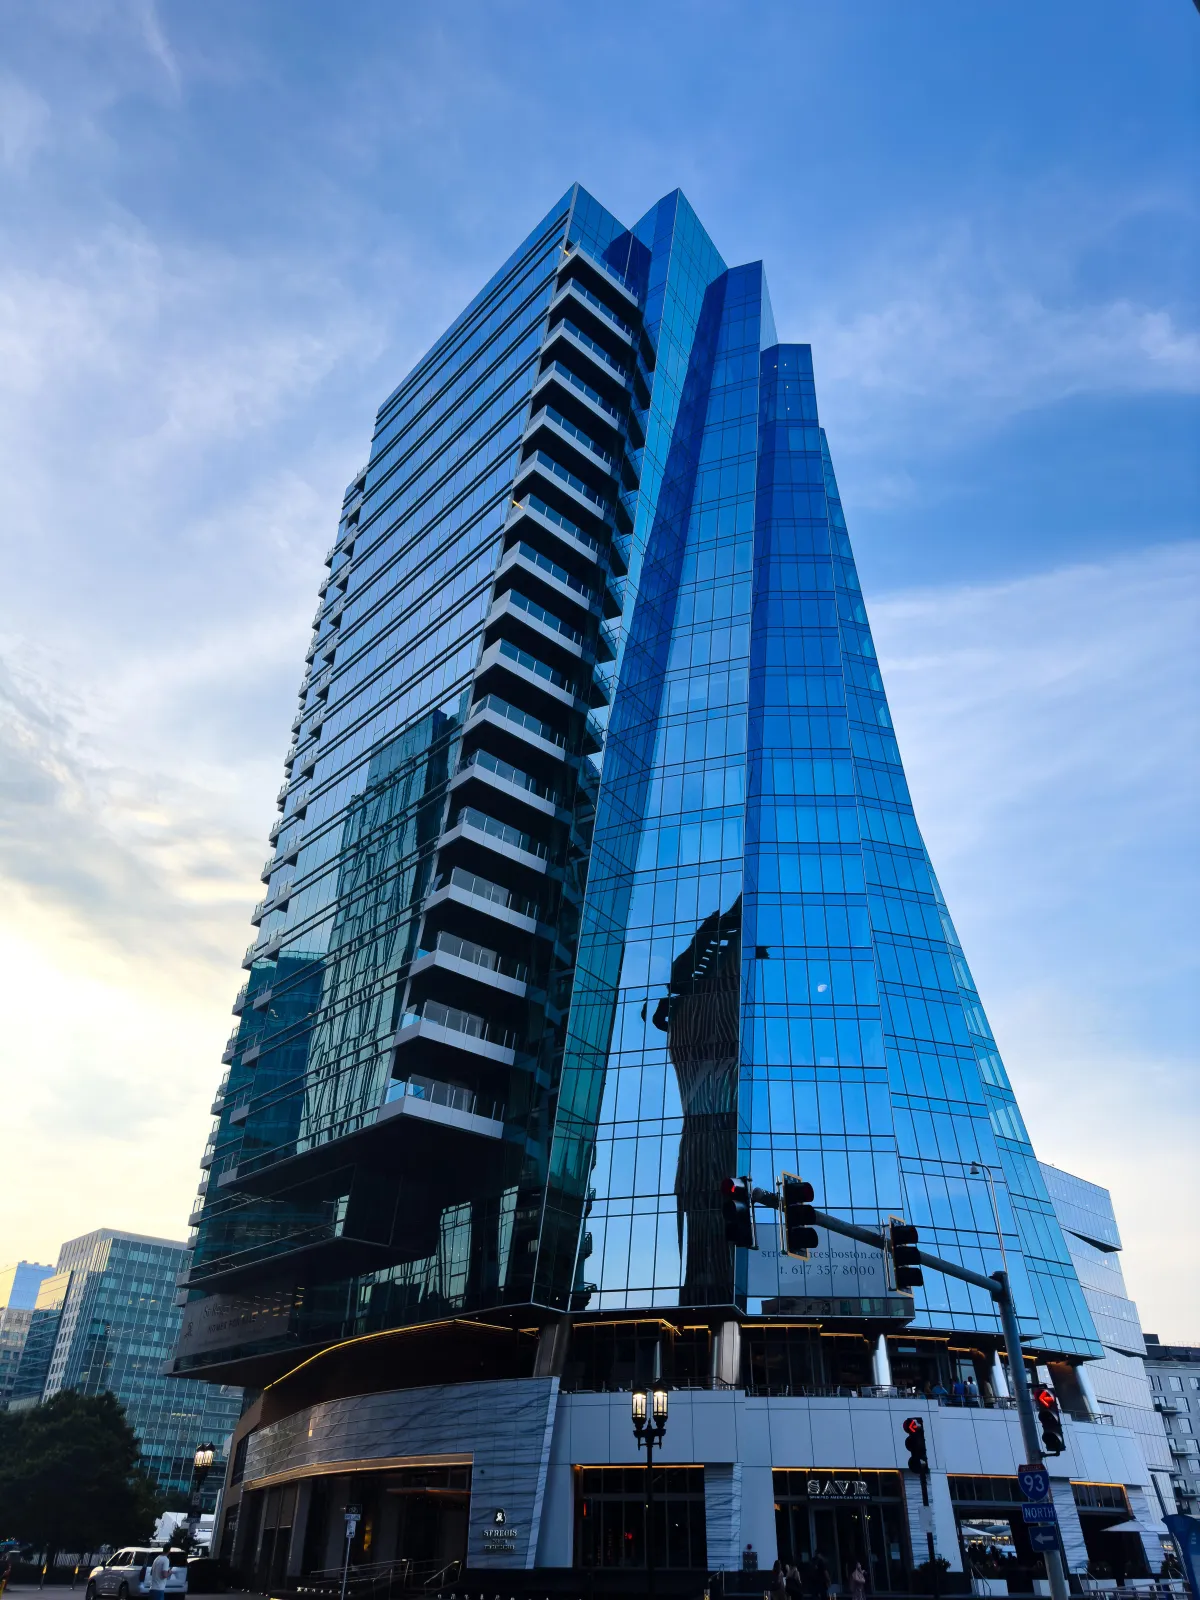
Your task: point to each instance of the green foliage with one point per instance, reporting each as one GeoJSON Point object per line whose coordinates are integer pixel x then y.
{"type": "Point", "coordinates": [69, 1475]}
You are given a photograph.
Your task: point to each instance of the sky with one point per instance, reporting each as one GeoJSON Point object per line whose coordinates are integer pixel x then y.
{"type": "Point", "coordinates": [227, 231]}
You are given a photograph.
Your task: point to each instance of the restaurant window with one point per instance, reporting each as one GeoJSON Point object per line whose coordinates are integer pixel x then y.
{"type": "Point", "coordinates": [610, 1517]}
{"type": "Point", "coordinates": [846, 1516]}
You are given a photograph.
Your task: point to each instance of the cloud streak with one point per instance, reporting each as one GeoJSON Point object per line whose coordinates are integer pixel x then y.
{"type": "Point", "coordinates": [1049, 729]}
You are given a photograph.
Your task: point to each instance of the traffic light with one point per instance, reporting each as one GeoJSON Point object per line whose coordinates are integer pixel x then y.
{"type": "Point", "coordinates": [796, 1216]}
{"type": "Point", "coordinates": [1050, 1418]}
{"type": "Point", "coordinates": [902, 1247]}
{"type": "Point", "coordinates": [914, 1443]}
{"type": "Point", "coordinates": [738, 1212]}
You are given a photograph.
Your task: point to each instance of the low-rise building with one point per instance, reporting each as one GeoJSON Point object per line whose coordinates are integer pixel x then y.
{"type": "Point", "coordinates": [1173, 1371]}
{"type": "Point", "coordinates": [1116, 1389]}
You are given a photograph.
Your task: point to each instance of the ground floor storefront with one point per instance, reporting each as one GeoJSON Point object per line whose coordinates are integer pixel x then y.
{"type": "Point", "coordinates": [520, 1477]}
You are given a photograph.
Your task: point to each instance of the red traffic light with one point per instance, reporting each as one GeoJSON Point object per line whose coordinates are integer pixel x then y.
{"type": "Point", "coordinates": [1046, 1399]}
{"type": "Point", "coordinates": [913, 1425]}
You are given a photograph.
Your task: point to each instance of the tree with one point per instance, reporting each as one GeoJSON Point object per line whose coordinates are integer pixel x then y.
{"type": "Point", "coordinates": [69, 1476]}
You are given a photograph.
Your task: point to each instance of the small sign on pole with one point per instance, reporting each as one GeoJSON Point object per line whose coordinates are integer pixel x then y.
{"type": "Point", "coordinates": [1034, 1482]}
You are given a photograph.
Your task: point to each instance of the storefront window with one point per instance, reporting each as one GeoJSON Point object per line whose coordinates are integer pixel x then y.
{"type": "Point", "coordinates": [610, 1517]}
{"type": "Point", "coordinates": [846, 1516]}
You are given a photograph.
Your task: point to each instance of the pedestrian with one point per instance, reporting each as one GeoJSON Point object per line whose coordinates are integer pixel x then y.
{"type": "Point", "coordinates": [939, 1390]}
{"type": "Point", "coordinates": [160, 1571]}
{"type": "Point", "coordinates": [778, 1578]}
{"type": "Point", "coordinates": [820, 1577]}
{"type": "Point", "coordinates": [858, 1582]}
{"type": "Point", "coordinates": [989, 1394]}
{"type": "Point", "coordinates": [795, 1584]}
{"type": "Point", "coordinates": [971, 1392]}
{"type": "Point", "coordinates": [957, 1392]}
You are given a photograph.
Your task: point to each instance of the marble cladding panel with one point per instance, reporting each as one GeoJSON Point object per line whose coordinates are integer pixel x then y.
{"type": "Point", "coordinates": [723, 1514]}
{"type": "Point", "coordinates": [504, 1429]}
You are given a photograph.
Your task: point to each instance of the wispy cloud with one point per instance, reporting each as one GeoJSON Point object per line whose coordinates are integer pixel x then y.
{"type": "Point", "coordinates": [940, 337]}
{"type": "Point", "coordinates": [1049, 729]}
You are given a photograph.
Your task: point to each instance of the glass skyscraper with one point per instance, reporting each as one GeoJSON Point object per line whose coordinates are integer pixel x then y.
{"type": "Point", "coordinates": [596, 881]}
{"type": "Point", "coordinates": [105, 1320]}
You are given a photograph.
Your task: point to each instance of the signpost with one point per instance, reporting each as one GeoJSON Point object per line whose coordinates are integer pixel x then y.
{"type": "Point", "coordinates": [1037, 1509]}
{"type": "Point", "coordinates": [353, 1513]}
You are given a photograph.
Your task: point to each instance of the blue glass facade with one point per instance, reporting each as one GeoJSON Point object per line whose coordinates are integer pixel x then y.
{"type": "Point", "coordinates": [597, 878]}
{"type": "Point", "coordinates": [106, 1322]}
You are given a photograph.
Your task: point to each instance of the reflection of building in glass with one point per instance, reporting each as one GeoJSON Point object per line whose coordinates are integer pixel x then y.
{"type": "Point", "coordinates": [597, 880]}
{"type": "Point", "coordinates": [699, 1016]}
{"type": "Point", "coordinates": [106, 1320]}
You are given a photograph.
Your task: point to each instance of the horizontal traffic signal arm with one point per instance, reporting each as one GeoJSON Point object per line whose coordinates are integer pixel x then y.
{"type": "Point", "coordinates": [881, 1241]}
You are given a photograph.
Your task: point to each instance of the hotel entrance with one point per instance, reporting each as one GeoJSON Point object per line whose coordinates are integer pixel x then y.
{"type": "Point", "coordinates": [845, 1516]}
{"type": "Point", "coordinates": [413, 1518]}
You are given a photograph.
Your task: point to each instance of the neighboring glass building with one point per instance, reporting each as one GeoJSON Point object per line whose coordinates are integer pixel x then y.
{"type": "Point", "coordinates": [106, 1320]}
{"type": "Point", "coordinates": [18, 1295]}
{"type": "Point", "coordinates": [597, 880]}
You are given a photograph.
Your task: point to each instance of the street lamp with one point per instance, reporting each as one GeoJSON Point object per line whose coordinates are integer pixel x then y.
{"type": "Point", "coordinates": [649, 1426]}
{"type": "Point", "coordinates": [202, 1465]}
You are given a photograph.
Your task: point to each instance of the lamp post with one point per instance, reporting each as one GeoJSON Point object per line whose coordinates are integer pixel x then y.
{"type": "Point", "coordinates": [649, 1425]}
{"type": "Point", "coordinates": [202, 1465]}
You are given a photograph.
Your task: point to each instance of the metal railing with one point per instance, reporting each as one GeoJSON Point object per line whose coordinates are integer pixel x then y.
{"type": "Point", "coordinates": [593, 348]}
{"type": "Point", "coordinates": [576, 382]}
{"type": "Point", "coordinates": [555, 571]}
{"type": "Point", "coordinates": [574, 283]}
{"type": "Point", "coordinates": [459, 1021]}
{"type": "Point", "coordinates": [482, 823]}
{"type": "Point", "coordinates": [539, 668]}
{"type": "Point", "coordinates": [549, 414]}
{"type": "Point", "coordinates": [477, 954]}
{"type": "Point", "coordinates": [450, 1095]}
{"type": "Point", "coordinates": [524, 719]}
{"type": "Point", "coordinates": [557, 470]}
{"type": "Point", "coordinates": [485, 889]}
{"type": "Point", "coordinates": [547, 618]}
{"type": "Point", "coordinates": [508, 773]}
{"type": "Point", "coordinates": [530, 502]}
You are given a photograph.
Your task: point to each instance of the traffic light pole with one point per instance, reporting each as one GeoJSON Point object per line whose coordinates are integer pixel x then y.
{"type": "Point", "coordinates": [998, 1287]}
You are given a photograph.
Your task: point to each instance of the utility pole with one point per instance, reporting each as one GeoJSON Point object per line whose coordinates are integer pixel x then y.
{"type": "Point", "coordinates": [998, 1287]}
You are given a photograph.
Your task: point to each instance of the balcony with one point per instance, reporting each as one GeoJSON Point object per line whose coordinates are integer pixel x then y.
{"type": "Point", "coordinates": [218, 1104]}
{"type": "Point", "coordinates": [614, 381]}
{"type": "Point", "coordinates": [471, 892]}
{"type": "Point", "coordinates": [531, 730]}
{"type": "Point", "coordinates": [564, 481]}
{"type": "Point", "coordinates": [530, 672]}
{"type": "Point", "coordinates": [442, 1031]}
{"type": "Point", "coordinates": [430, 1101]}
{"type": "Point", "coordinates": [504, 834]}
{"type": "Point", "coordinates": [579, 391]}
{"type": "Point", "coordinates": [542, 520]}
{"type": "Point", "coordinates": [572, 439]}
{"type": "Point", "coordinates": [509, 780]}
{"type": "Point", "coordinates": [543, 624]}
{"type": "Point", "coordinates": [577, 257]}
{"type": "Point", "coordinates": [593, 305]}
{"type": "Point", "coordinates": [562, 583]}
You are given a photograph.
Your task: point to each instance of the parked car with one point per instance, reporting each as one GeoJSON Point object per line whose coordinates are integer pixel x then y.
{"type": "Point", "coordinates": [127, 1574]}
{"type": "Point", "coordinates": [204, 1575]}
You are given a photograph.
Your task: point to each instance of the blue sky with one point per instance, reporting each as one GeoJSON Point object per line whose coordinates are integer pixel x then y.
{"type": "Point", "coordinates": [225, 233]}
